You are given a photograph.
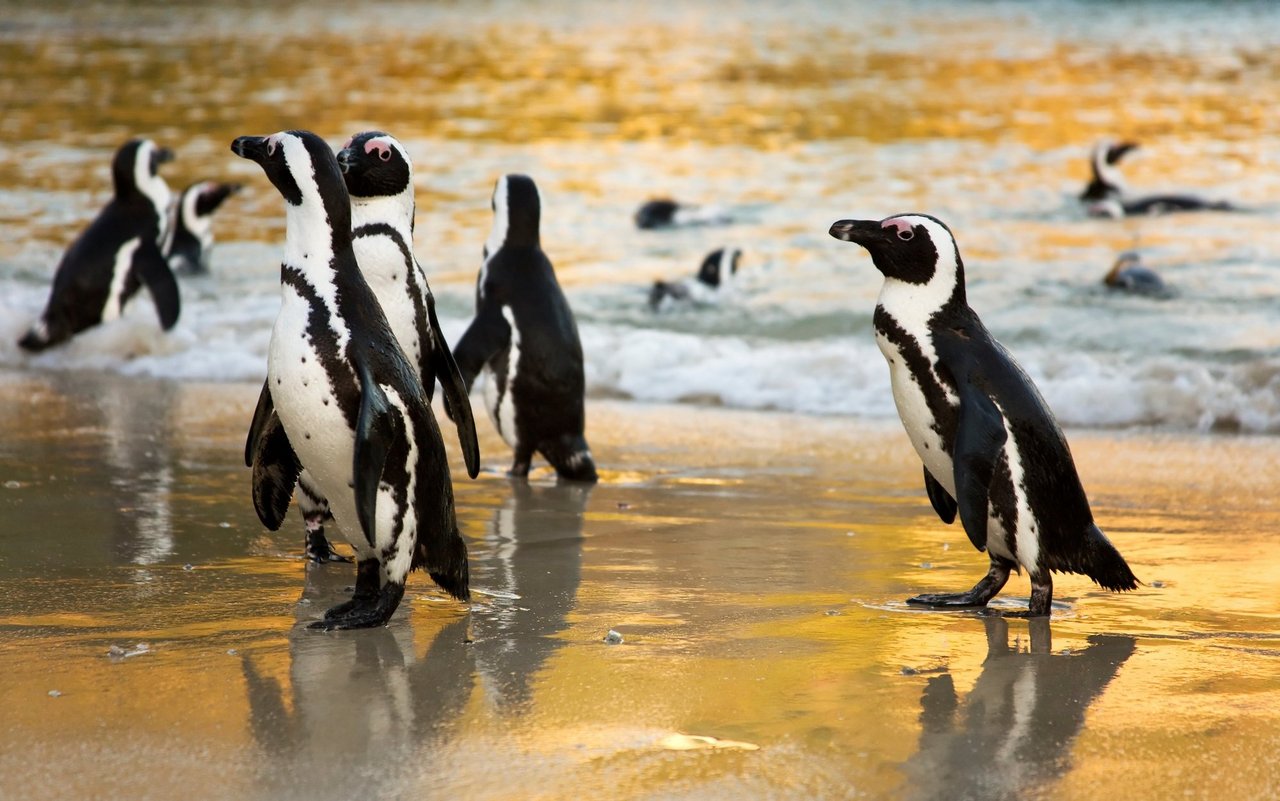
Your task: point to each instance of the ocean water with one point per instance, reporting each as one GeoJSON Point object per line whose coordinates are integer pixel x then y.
{"type": "Point", "coordinates": [781, 120]}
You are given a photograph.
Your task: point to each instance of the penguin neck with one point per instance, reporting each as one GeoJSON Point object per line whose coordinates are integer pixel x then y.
{"type": "Point", "coordinates": [189, 218]}
{"type": "Point", "coordinates": [394, 210]}
{"type": "Point", "coordinates": [915, 306]}
{"type": "Point", "coordinates": [1106, 176]}
{"type": "Point", "coordinates": [311, 241]}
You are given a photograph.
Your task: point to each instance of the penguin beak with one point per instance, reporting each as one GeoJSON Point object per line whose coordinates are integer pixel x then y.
{"type": "Point", "coordinates": [161, 155]}
{"type": "Point", "coordinates": [1117, 152]}
{"type": "Point", "coordinates": [859, 232]}
{"type": "Point", "coordinates": [253, 148]}
{"type": "Point", "coordinates": [344, 160]}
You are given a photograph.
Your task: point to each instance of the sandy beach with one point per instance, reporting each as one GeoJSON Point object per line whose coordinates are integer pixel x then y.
{"type": "Point", "coordinates": [755, 564]}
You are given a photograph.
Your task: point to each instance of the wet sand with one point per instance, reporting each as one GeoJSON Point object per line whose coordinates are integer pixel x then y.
{"type": "Point", "coordinates": [755, 565]}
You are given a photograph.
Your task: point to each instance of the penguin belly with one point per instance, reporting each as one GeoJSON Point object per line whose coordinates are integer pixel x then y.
{"type": "Point", "coordinates": [384, 269]}
{"type": "Point", "coordinates": [312, 417]}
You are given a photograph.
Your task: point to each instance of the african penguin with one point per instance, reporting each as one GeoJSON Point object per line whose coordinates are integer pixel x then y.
{"type": "Point", "coordinates": [191, 237]}
{"type": "Point", "coordinates": [379, 177]}
{"type": "Point", "coordinates": [526, 341]}
{"type": "Point", "coordinates": [1129, 275]}
{"type": "Point", "coordinates": [991, 448]}
{"type": "Point", "coordinates": [667, 213]}
{"type": "Point", "coordinates": [714, 276]}
{"type": "Point", "coordinates": [342, 399]}
{"type": "Point", "coordinates": [1105, 194]}
{"type": "Point", "coordinates": [120, 252]}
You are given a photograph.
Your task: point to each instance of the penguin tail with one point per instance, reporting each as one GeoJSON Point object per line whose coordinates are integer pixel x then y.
{"type": "Point", "coordinates": [1100, 561]}
{"type": "Point", "coordinates": [447, 566]}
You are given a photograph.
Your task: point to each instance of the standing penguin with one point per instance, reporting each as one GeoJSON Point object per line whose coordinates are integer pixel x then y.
{"type": "Point", "coordinates": [525, 338]}
{"type": "Point", "coordinates": [991, 448]}
{"type": "Point", "coordinates": [342, 399]}
{"type": "Point", "coordinates": [192, 238]}
{"type": "Point", "coordinates": [379, 177]}
{"type": "Point", "coordinates": [118, 253]}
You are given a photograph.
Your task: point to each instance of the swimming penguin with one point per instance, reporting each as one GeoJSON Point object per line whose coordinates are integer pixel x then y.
{"type": "Point", "coordinates": [379, 177]}
{"type": "Point", "coordinates": [717, 270]}
{"type": "Point", "coordinates": [120, 252]}
{"type": "Point", "coordinates": [1128, 275]}
{"type": "Point", "coordinates": [667, 213]}
{"type": "Point", "coordinates": [342, 399]}
{"type": "Point", "coordinates": [1104, 195]}
{"type": "Point", "coordinates": [525, 339]}
{"type": "Point", "coordinates": [990, 446]}
{"type": "Point", "coordinates": [191, 239]}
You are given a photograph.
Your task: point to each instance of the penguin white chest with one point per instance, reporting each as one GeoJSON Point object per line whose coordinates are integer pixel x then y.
{"type": "Point", "coordinates": [303, 394]}
{"type": "Point", "coordinates": [917, 419]}
{"type": "Point", "coordinates": [384, 268]}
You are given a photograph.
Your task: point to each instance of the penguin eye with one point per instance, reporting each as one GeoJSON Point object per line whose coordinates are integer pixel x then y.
{"type": "Point", "coordinates": [385, 155]}
{"type": "Point", "coordinates": [906, 235]}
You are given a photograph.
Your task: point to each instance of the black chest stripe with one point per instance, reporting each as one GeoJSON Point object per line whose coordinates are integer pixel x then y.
{"type": "Point", "coordinates": [420, 324]}
{"type": "Point", "coordinates": [321, 335]}
{"type": "Point", "coordinates": [935, 396]}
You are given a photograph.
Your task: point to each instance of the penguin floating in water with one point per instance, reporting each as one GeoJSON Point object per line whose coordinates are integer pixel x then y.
{"type": "Point", "coordinates": [526, 341]}
{"type": "Point", "coordinates": [1129, 275]}
{"type": "Point", "coordinates": [714, 276]}
{"type": "Point", "coordinates": [379, 177]}
{"type": "Point", "coordinates": [667, 213]}
{"type": "Point", "coordinates": [1104, 195]}
{"type": "Point", "coordinates": [118, 254]}
{"type": "Point", "coordinates": [991, 448]}
{"type": "Point", "coordinates": [191, 239]}
{"type": "Point", "coordinates": [342, 399]}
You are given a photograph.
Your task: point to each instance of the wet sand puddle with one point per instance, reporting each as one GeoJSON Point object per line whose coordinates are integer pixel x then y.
{"type": "Point", "coordinates": [765, 650]}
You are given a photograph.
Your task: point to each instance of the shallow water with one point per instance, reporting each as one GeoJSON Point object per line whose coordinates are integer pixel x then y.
{"type": "Point", "coordinates": [981, 113]}
{"type": "Point", "coordinates": [758, 590]}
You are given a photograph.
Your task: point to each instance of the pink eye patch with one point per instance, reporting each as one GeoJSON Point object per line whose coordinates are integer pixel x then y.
{"type": "Point", "coordinates": [905, 229]}
{"type": "Point", "coordinates": [380, 147]}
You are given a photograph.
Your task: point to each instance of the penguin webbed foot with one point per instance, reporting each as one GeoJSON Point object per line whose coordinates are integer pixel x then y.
{"type": "Point", "coordinates": [951, 600]}
{"type": "Point", "coordinates": [362, 612]}
{"type": "Point", "coordinates": [319, 551]}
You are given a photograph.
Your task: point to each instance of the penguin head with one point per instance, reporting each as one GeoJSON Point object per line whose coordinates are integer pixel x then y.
{"type": "Point", "coordinates": [375, 164]}
{"type": "Point", "coordinates": [517, 208]}
{"type": "Point", "coordinates": [911, 248]}
{"type": "Point", "coordinates": [656, 213]}
{"type": "Point", "coordinates": [717, 264]}
{"type": "Point", "coordinates": [1126, 260]}
{"type": "Point", "coordinates": [201, 199]}
{"type": "Point", "coordinates": [304, 170]}
{"type": "Point", "coordinates": [1106, 181]}
{"type": "Point", "coordinates": [136, 168]}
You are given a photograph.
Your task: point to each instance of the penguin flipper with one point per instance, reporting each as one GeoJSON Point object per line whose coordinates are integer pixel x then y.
{"type": "Point", "coordinates": [980, 438]}
{"type": "Point", "coordinates": [942, 501]}
{"type": "Point", "coordinates": [160, 282]}
{"type": "Point", "coordinates": [486, 335]}
{"type": "Point", "coordinates": [275, 471]}
{"type": "Point", "coordinates": [264, 411]}
{"type": "Point", "coordinates": [457, 404]}
{"type": "Point", "coordinates": [376, 429]}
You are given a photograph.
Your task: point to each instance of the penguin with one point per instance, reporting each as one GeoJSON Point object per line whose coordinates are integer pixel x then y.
{"type": "Point", "coordinates": [120, 252]}
{"type": "Point", "coordinates": [378, 174]}
{"type": "Point", "coordinates": [1104, 195]}
{"type": "Point", "coordinates": [1128, 275]}
{"type": "Point", "coordinates": [191, 237]}
{"type": "Point", "coordinates": [342, 399]}
{"type": "Point", "coordinates": [667, 213]}
{"type": "Point", "coordinates": [526, 341]}
{"type": "Point", "coordinates": [717, 270]}
{"type": "Point", "coordinates": [991, 448]}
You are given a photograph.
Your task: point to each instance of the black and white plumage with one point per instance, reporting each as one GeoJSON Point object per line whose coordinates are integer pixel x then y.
{"type": "Point", "coordinates": [342, 399]}
{"type": "Point", "coordinates": [118, 254]}
{"type": "Point", "coordinates": [714, 277]}
{"type": "Point", "coordinates": [525, 339]}
{"type": "Point", "coordinates": [667, 213]}
{"type": "Point", "coordinates": [1106, 195]}
{"type": "Point", "coordinates": [191, 236]}
{"type": "Point", "coordinates": [1129, 275]}
{"type": "Point", "coordinates": [992, 451]}
{"type": "Point", "coordinates": [378, 174]}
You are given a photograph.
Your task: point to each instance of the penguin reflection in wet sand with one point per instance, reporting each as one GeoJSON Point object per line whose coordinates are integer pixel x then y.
{"type": "Point", "coordinates": [991, 448]}
{"type": "Point", "coordinates": [192, 238]}
{"type": "Point", "coordinates": [342, 399]}
{"type": "Point", "coordinates": [118, 254]}
{"type": "Point", "coordinates": [378, 174]}
{"type": "Point", "coordinates": [525, 339]}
